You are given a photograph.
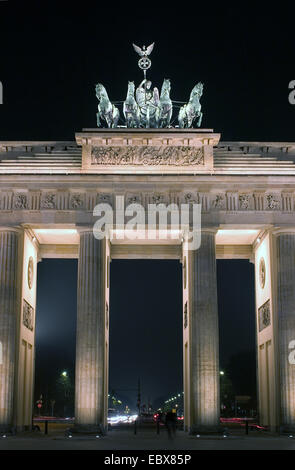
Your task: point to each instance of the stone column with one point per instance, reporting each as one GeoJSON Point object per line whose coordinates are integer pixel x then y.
{"type": "Point", "coordinates": [90, 360]}
{"type": "Point", "coordinates": [204, 337]}
{"type": "Point", "coordinates": [285, 251]}
{"type": "Point", "coordinates": [8, 321]}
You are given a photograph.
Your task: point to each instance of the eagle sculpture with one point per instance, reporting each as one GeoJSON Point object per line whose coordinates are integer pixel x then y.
{"type": "Point", "coordinates": [145, 51]}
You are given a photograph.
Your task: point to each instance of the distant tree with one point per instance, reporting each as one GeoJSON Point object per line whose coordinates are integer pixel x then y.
{"type": "Point", "coordinates": [227, 394]}
{"type": "Point", "coordinates": [65, 393]}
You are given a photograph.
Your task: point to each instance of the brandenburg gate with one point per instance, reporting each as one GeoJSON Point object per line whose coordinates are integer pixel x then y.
{"type": "Point", "coordinates": [48, 195]}
{"type": "Point", "coordinates": [75, 200]}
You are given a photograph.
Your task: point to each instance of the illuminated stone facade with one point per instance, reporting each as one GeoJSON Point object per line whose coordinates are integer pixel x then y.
{"type": "Point", "coordinates": [48, 191]}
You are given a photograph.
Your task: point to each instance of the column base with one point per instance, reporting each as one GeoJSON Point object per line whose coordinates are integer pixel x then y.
{"type": "Point", "coordinates": [87, 430]}
{"type": "Point", "coordinates": [25, 428]}
{"type": "Point", "coordinates": [7, 429]}
{"type": "Point", "coordinates": [204, 429]}
{"type": "Point", "coordinates": [287, 429]}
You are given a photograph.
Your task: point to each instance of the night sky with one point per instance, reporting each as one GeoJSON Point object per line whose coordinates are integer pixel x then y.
{"type": "Point", "coordinates": [53, 53]}
{"type": "Point", "coordinates": [51, 56]}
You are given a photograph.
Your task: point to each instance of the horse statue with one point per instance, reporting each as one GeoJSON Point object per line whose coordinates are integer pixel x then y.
{"type": "Point", "coordinates": [190, 111]}
{"type": "Point", "coordinates": [165, 109]}
{"type": "Point", "coordinates": [131, 109]}
{"type": "Point", "coordinates": [106, 110]}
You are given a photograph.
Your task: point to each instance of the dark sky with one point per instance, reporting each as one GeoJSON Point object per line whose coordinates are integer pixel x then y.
{"type": "Point", "coordinates": [52, 54]}
{"type": "Point", "coordinates": [55, 323]}
{"type": "Point", "coordinates": [146, 327]}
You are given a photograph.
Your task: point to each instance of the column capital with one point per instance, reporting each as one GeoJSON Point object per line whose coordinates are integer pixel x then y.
{"type": "Point", "coordinates": [213, 230]}
{"type": "Point", "coordinates": [287, 230]}
{"type": "Point", "coordinates": [88, 229]}
{"type": "Point", "coordinates": [16, 229]}
{"type": "Point", "coordinates": [83, 229]}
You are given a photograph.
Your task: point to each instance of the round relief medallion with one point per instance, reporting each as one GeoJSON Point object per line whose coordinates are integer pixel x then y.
{"type": "Point", "coordinates": [30, 272]}
{"type": "Point", "coordinates": [262, 273]}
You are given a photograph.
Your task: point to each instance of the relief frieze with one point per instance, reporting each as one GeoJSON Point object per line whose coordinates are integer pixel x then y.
{"type": "Point", "coordinates": [148, 156]}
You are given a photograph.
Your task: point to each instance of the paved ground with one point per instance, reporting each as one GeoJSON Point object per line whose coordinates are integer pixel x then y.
{"type": "Point", "coordinates": [146, 440]}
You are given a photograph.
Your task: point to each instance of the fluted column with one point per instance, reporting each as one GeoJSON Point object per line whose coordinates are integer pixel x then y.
{"type": "Point", "coordinates": [8, 318]}
{"type": "Point", "coordinates": [90, 360]}
{"type": "Point", "coordinates": [285, 250]}
{"type": "Point", "coordinates": [204, 337]}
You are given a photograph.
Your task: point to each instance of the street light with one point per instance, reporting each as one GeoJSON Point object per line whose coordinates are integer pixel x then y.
{"type": "Point", "coordinates": [64, 373]}
{"type": "Point", "coordinates": [221, 372]}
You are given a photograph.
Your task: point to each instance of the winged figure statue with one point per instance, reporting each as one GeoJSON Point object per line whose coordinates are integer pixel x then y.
{"type": "Point", "coordinates": [145, 51]}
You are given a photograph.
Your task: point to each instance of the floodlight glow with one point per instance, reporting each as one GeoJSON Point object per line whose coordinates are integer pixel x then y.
{"type": "Point", "coordinates": [56, 231]}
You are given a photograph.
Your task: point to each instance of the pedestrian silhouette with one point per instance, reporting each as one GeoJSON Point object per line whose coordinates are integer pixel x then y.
{"type": "Point", "coordinates": [170, 423]}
